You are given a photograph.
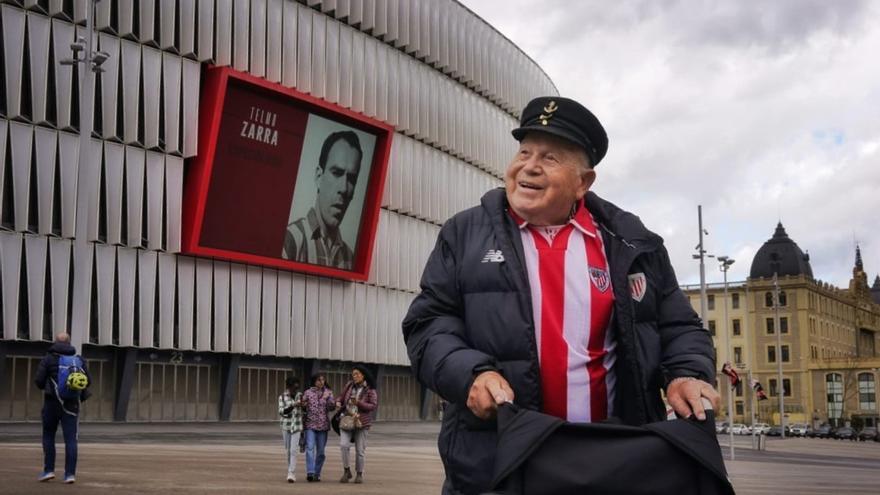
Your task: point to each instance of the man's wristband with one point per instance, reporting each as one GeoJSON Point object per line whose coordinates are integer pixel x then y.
{"type": "Point", "coordinates": [483, 368]}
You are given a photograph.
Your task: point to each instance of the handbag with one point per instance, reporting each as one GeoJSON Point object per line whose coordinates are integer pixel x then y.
{"type": "Point", "coordinates": [351, 420]}
{"type": "Point", "coordinates": [302, 442]}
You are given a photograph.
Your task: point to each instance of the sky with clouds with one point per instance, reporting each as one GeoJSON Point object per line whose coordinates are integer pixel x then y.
{"type": "Point", "coordinates": [759, 111]}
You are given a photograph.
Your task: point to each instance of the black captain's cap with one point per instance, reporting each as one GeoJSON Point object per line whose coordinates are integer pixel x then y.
{"type": "Point", "coordinates": [567, 119]}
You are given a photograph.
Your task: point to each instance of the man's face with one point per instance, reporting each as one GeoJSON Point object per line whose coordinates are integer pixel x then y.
{"type": "Point", "coordinates": [336, 182]}
{"type": "Point", "coordinates": [545, 178]}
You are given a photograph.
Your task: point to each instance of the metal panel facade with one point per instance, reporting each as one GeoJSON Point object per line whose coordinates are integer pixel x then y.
{"type": "Point", "coordinates": [449, 84]}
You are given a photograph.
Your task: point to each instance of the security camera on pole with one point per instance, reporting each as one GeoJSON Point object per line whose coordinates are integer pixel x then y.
{"type": "Point", "coordinates": [701, 254]}
{"type": "Point", "coordinates": [87, 193]}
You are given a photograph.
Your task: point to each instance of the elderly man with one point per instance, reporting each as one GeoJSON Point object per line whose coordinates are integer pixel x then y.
{"type": "Point", "coordinates": [550, 297]}
{"type": "Point", "coordinates": [316, 238]}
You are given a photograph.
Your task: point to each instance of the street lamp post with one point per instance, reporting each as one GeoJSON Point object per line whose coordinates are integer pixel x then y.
{"type": "Point", "coordinates": [780, 388]}
{"type": "Point", "coordinates": [725, 265]}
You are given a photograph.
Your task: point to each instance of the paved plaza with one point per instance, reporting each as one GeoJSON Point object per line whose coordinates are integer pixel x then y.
{"type": "Point", "coordinates": [401, 459]}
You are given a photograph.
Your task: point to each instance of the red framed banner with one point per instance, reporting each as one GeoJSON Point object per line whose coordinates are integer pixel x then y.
{"type": "Point", "coordinates": [283, 179]}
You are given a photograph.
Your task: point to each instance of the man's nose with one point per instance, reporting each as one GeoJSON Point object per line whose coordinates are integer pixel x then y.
{"type": "Point", "coordinates": [532, 166]}
{"type": "Point", "coordinates": [347, 189]}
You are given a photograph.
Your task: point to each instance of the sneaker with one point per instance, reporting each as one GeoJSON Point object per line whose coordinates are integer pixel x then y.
{"type": "Point", "coordinates": [291, 478]}
{"type": "Point", "coordinates": [345, 476]}
{"type": "Point", "coordinates": [46, 476]}
{"type": "Point", "coordinates": [310, 477]}
{"type": "Point", "coordinates": [359, 478]}
{"type": "Point", "coordinates": [69, 479]}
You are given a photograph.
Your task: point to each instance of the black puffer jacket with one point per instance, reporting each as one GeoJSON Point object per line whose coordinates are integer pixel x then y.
{"type": "Point", "coordinates": [471, 314]}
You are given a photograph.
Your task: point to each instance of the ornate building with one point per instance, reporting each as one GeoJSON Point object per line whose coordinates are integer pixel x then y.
{"type": "Point", "coordinates": [829, 338]}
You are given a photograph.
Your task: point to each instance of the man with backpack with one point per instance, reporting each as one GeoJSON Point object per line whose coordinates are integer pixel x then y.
{"type": "Point", "coordinates": [63, 378]}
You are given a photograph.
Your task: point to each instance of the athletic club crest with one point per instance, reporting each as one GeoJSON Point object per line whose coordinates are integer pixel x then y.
{"type": "Point", "coordinates": [600, 278]}
{"type": "Point", "coordinates": [637, 286]}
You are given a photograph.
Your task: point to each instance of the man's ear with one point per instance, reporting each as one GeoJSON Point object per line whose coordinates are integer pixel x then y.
{"type": "Point", "coordinates": [588, 176]}
{"type": "Point", "coordinates": [318, 173]}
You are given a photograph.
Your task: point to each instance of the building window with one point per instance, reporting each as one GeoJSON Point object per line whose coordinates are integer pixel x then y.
{"type": "Point", "coordinates": [783, 324]}
{"type": "Point", "coordinates": [768, 299]}
{"type": "Point", "coordinates": [734, 300]}
{"type": "Point", "coordinates": [712, 327]}
{"type": "Point", "coordinates": [785, 354]}
{"type": "Point", "coordinates": [711, 301]}
{"type": "Point", "coordinates": [770, 330]}
{"type": "Point", "coordinates": [867, 392]}
{"type": "Point", "coordinates": [783, 299]}
{"type": "Point", "coordinates": [737, 330]}
{"type": "Point", "coordinates": [786, 384]}
{"type": "Point", "coordinates": [834, 395]}
{"type": "Point", "coordinates": [737, 355]}
{"type": "Point", "coordinates": [739, 408]}
{"type": "Point", "coordinates": [739, 389]}
{"type": "Point", "coordinates": [771, 354]}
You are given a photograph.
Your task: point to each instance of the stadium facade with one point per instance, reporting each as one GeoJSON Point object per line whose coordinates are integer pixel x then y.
{"type": "Point", "coordinates": [90, 239]}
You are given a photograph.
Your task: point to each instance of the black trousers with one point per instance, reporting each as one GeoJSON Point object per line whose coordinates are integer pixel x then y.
{"type": "Point", "coordinates": [53, 415]}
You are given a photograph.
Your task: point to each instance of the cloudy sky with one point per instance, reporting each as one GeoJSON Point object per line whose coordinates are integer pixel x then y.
{"type": "Point", "coordinates": [759, 111]}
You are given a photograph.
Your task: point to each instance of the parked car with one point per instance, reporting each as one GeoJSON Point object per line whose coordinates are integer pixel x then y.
{"type": "Point", "coordinates": [761, 428]}
{"type": "Point", "coordinates": [739, 429]}
{"type": "Point", "coordinates": [823, 431]}
{"type": "Point", "coordinates": [799, 430]}
{"type": "Point", "coordinates": [721, 427]}
{"type": "Point", "coordinates": [774, 431]}
{"type": "Point", "coordinates": [845, 433]}
{"type": "Point", "coordinates": [867, 433]}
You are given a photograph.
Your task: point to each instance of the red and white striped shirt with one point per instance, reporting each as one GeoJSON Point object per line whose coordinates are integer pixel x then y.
{"type": "Point", "coordinates": [572, 301]}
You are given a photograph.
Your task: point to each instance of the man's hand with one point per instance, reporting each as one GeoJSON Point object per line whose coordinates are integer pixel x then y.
{"type": "Point", "coordinates": [488, 391]}
{"type": "Point", "coordinates": [685, 396]}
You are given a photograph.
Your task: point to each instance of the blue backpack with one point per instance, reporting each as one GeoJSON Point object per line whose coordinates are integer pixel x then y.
{"type": "Point", "coordinates": [66, 366]}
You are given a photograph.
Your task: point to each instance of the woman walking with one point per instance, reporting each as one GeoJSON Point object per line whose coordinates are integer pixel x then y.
{"type": "Point", "coordinates": [290, 409]}
{"type": "Point", "coordinates": [317, 401]}
{"type": "Point", "coordinates": [360, 401]}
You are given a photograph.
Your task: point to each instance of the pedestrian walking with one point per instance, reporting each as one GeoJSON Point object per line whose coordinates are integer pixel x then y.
{"type": "Point", "coordinates": [360, 401]}
{"type": "Point", "coordinates": [290, 409]}
{"type": "Point", "coordinates": [64, 380]}
{"type": "Point", "coordinates": [317, 403]}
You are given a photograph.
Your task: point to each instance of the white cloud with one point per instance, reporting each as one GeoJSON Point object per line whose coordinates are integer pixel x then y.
{"type": "Point", "coordinates": [759, 111]}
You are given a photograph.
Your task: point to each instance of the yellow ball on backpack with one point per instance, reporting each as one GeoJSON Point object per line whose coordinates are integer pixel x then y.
{"type": "Point", "coordinates": [77, 381]}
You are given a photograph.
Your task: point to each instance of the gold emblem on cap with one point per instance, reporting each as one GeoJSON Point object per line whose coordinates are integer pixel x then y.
{"type": "Point", "coordinates": [549, 109]}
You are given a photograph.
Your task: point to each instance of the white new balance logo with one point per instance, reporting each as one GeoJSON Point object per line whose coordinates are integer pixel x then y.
{"type": "Point", "coordinates": [493, 256]}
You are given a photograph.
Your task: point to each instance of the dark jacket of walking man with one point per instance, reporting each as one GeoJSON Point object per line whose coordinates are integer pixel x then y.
{"type": "Point", "coordinates": [550, 297]}
{"type": "Point", "coordinates": [61, 407]}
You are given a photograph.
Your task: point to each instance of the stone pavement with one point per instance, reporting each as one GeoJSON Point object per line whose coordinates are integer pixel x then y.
{"type": "Point", "coordinates": [402, 458]}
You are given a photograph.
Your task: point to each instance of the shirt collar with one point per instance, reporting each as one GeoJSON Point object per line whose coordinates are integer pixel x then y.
{"type": "Point", "coordinates": [318, 230]}
{"type": "Point", "coordinates": [582, 219]}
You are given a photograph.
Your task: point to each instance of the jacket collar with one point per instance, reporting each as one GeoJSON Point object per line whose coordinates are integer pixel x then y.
{"type": "Point", "coordinates": [616, 222]}
{"type": "Point", "coordinates": [582, 220]}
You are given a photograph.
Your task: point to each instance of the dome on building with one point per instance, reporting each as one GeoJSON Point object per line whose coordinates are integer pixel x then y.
{"type": "Point", "coordinates": [782, 256]}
